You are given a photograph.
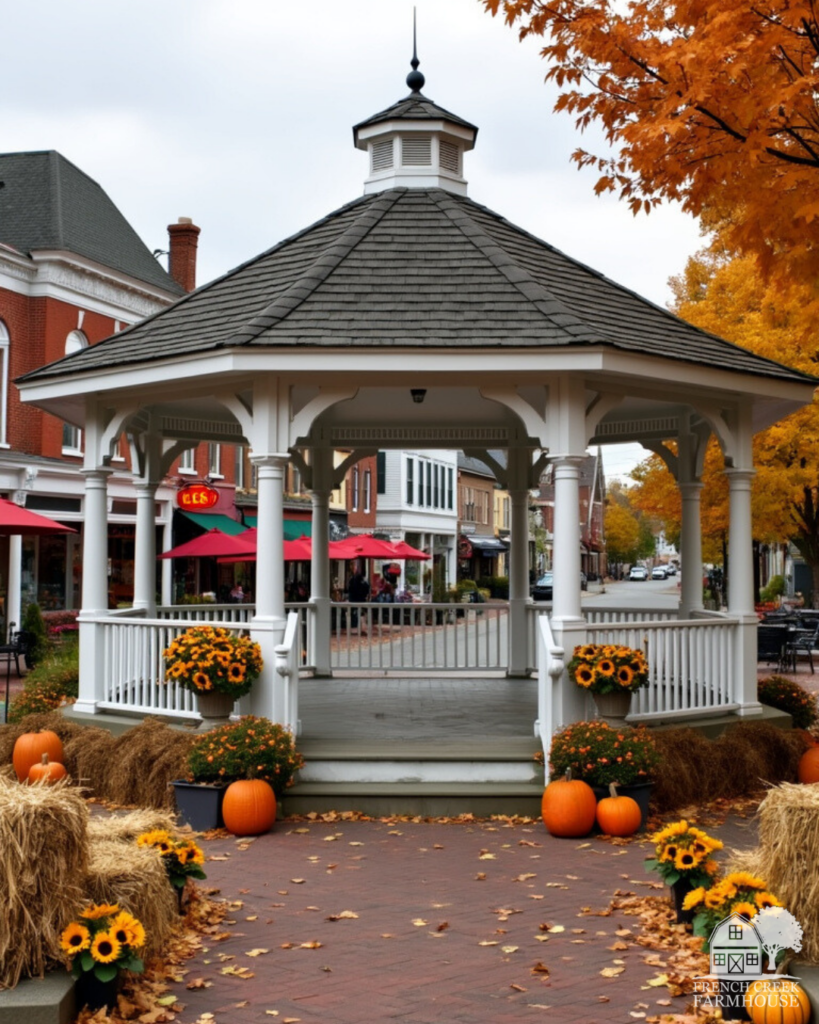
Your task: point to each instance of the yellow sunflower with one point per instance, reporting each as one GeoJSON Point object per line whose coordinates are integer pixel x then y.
{"type": "Point", "coordinates": [97, 910]}
{"type": "Point", "coordinates": [153, 838]}
{"type": "Point", "coordinates": [75, 938]}
{"type": "Point", "coordinates": [685, 860]}
{"type": "Point", "coordinates": [236, 672]}
{"type": "Point", "coordinates": [625, 677]}
{"type": "Point", "coordinates": [105, 948]}
{"type": "Point", "coordinates": [126, 929]}
{"type": "Point", "coordinates": [694, 898]}
{"type": "Point", "coordinates": [587, 651]}
{"type": "Point", "coordinates": [766, 899]}
{"type": "Point", "coordinates": [745, 908]}
{"type": "Point", "coordinates": [200, 681]}
{"type": "Point", "coordinates": [584, 675]}
{"type": "Point", "coordinates": [606, 667]}
{"type": "Point", "coordinates": [669, 853]}
{"type": "Point", "coordinates": [745, 880]}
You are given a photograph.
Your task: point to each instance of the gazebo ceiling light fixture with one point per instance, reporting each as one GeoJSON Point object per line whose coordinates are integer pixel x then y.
{"type": "Point", "coordinates": [418, 395]}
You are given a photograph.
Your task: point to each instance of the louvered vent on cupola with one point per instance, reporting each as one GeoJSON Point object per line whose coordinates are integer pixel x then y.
{"type": "Point", "coordinates": [450, 156]}
{"type": "Point", "coordinates": [416, 151]}
{"type": "Point", "coordinates": [382, 157]}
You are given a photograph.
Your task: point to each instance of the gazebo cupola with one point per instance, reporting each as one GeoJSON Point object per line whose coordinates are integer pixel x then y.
{"type": "Point", "coordinates": [415, 143]}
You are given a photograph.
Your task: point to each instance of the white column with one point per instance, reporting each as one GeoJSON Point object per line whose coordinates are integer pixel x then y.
{"type": "Point", "coordinates": [267, 626]}
{"type": "Point", "coordinates": [14, 597]}
{"type": "Point", "coordinates": [319, 619]}
{"type": "Point", "coordinates": [167, 566]}
{"type": "Point", "coordinates": [519, 599]}
{"type": "Point", "coordinates": [690, 550]}
{"type": "Point", "coordinates": [94, 589]}
{"type": "Point", "coordinates": [741, 590]}
{"type": "Point", "coordinates": [145, 548]}
{"type": "Point", "coordinates": [566, 555]}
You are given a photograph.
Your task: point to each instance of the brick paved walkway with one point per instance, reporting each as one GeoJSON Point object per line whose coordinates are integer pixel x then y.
{"type": "Point", "coordinates": [448, 927]}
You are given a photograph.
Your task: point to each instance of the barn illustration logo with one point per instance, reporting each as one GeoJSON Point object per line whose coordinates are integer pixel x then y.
{"type": "Point", "coordinates": [743, 951]}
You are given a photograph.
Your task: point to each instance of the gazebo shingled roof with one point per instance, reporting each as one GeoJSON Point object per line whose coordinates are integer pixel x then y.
{"type": "Point", "coordinates": [414, 268]}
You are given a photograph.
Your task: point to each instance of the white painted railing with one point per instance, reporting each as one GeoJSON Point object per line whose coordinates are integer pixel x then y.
{"type": "Point", "coordinates": [598, 615]}
{"type": "Point", "coordinates": [419, 637]}
{"type": "Point", "coordinates": [134, 669]}
{"type": "Point", "coordinates": [550, 682]}
{"type": "Point", "coordinates": [207, 612]}
{"type": "Point", "coordinates": [689, 664]}
{"type": "Point", "coordinates": [288, 659]}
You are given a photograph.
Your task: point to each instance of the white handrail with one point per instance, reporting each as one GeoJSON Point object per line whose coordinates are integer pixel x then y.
{"type": "Point", "coordinates": [550, 672]}
{"type": "Point", "coordinates": [287, 667]}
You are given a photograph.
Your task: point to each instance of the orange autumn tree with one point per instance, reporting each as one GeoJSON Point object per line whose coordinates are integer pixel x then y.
{"type": "Point", "coordinates": [709, 103]}
{"type": "Point", "coordinates": [731, 298]}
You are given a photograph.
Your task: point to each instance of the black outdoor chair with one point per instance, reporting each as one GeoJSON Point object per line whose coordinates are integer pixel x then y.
{"type": "Point", "coordinates": [16, 648]}
{"type": "Point", "coordinates": [801, 641]}
{"type": "Point", "coordinates": [771, 641]}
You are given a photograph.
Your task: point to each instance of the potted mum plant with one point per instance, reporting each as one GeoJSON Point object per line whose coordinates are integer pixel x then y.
{"type": "Point", "coordinates": [683, 861]}
{"type": "Point", "coordinates": [610, 673]}
{"type": "Point", "coordinates": [250, 748]}
{"type": "Point", "coordinates": [218, 665]}
{"type": "Point", "coordinates": [600, 755]}
{"type": "Point", "coordinates": [102, 943]}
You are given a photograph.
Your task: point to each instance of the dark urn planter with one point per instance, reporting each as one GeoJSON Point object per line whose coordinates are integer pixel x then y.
{"type": "Point", "coordinates": [215, 709]}
{"type": "Point", "coordinates": [95, 994]}
{"type": "Point", "coordinates": [200, 804]}
{"type": "Point", "coordinates": [613, 707]}
{"type": "Point", "coordinates": [679, 890]}
{"type": "Point", "coordinates": [639, 791]}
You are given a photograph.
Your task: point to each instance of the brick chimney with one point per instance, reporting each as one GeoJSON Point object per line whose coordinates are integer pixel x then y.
{"type": "Point", "coordinates": [184, 238]}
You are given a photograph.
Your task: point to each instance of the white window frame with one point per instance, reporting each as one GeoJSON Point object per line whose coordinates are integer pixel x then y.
{"type": "Point", "coordinates": [187, 462]}
{"type": "Point", "coordinates": [72, 436]}
{"type": "Point", "coordinates": [5, 341]}
{"type": "Point", "coordinates": [354, 506]}
{"type": "Point", "coordinates": [215, 461]}
{"type": "Point", "coordinates": [368, 487]}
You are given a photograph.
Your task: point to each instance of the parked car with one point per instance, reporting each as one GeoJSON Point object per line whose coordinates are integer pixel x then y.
{"type": "Point", "coordinates": [638, 572]}
{"type": "Point", "coordinates": [659, 572]}
{"type": "Point", "coordinates": [671, 569]}
{"type": "Point", "coordinates": [542, 590]}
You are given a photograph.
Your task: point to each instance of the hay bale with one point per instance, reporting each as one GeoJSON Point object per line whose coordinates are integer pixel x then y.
{"type": "Point", "coordinates": [788, 856]}
{"type": "Point", "coordinates": [685, 774]}
{"type": "Point", "coordinates": [43, 859]}
{"type": "Point", "coordinates": [88, 759]}
{"type": "Point", "coordinates": [144, 761]}
{"type": "Point", "coordinates": [67, 731]}
{"type": "Point", "coordinates": [135, 878]}
{"type": "Point", "coordinates": [124, 828]}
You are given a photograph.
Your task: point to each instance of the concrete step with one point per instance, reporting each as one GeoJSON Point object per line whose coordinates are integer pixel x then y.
{"type": "Point", "coordinates": [425, 799]}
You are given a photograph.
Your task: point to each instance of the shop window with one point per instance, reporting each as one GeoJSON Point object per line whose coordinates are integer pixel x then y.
{"type": "Point", "coordinates": [368, 482]}
{"type": "Point", "coordinates": [72, 436]}
{"type": "Point", "coordinates": [215, 460]}
{"type": "Point", "coordinates": [187, 461]}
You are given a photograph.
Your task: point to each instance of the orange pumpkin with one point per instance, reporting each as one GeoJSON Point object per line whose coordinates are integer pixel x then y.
{"type": "Point", "coordinates": [618, 815]}
{"type": "Point", "coordinates": [47, 771]}
{"type": "Point", "coordinates": [809, 765]}
{"type": "Point", "coordinates": [249, 807]}
{"type": "Point", "coordinates": [777, 1001]}
{"type": "Point", "coordinates": [568, 807]}
{"type": "Point", "coordinates": [31, 746]}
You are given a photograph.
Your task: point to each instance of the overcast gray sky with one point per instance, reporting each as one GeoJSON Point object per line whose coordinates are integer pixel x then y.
{"type": "Point", "coordinates": [238, 113]}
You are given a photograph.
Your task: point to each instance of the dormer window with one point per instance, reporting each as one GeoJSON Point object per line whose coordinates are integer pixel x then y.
{"type": "Point", "coordinates": [416, 151]}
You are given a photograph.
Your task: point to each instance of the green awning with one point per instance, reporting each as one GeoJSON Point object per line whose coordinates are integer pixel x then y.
{"type": "Point", "coordinates": [216, 521]}
{"type": "Point", "coordinates": [293, 528]}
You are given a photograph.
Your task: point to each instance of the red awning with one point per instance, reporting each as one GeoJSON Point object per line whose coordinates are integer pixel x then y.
{"type": "Point", "coordinates": [407, 551]}
{"type": "Point", "coordinates": [16, 519]}
{"type": "Point", "coordinates": [213, 544]}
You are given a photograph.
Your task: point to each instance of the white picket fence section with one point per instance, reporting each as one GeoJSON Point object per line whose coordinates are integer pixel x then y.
{"type": "Point", "coordinates": [689, 664]}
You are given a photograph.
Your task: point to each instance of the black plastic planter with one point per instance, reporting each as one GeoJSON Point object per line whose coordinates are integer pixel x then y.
{"type": "Point", "coordinates": [200, 804]}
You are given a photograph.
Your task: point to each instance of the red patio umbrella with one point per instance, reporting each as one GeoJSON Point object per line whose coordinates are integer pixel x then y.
{"type": "Point", "coordinates": [213, 544]}
{"type": "Point", "coordinates": [16, 519]}
{"type": "Point", "coordinates": [298, 550]}
{"type": "Point", "coordinates": [362, 545]}
{"type": "Point", "coordinates": [402, 550]}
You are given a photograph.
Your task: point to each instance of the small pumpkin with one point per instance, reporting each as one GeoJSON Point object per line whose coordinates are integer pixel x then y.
{"type": "Point", "coordinates": [618, 815]}
{"type": "Point", "coordinates": [47, 771]}
{"type": "Point", "coordinates": [568, 807]}
{"type": "Point", "coordinates": [777, 1001]}
{"type": "Point", "coordinates": [249, 807]}
{"type": "Point", "coordinates": [809, 765]}
{"type": "Point", "coordinates": [31, 746]}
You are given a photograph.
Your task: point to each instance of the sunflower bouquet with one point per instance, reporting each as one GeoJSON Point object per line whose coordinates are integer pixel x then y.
{"type": "Point", "coordinates": [608, 668]}
{"type": "Point", "coordinates": [182, 858]}
{"type": "Point", "coordinates": [210, 659]}
{"type": "Point", "coordinates": [737, 893]}
{"type": "Point", "coordinates": [684, 853]}
{"type": "Point", "coordinates": [104, 940]}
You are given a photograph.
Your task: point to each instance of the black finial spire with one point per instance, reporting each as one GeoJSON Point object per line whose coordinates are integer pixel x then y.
{"type": "Point", "coordinates": [415, 79]}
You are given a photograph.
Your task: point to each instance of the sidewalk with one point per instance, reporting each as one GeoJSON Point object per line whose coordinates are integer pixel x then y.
{"type": "Point", "coordinates": [476, 923]}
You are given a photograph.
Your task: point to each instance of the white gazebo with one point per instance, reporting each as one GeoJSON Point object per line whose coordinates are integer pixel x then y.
{"type": "Point", "coordinates": [317, 345]}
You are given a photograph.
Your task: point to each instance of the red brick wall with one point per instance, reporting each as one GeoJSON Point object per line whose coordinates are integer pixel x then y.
{"type": "Point", "coordinates": [359, 519]}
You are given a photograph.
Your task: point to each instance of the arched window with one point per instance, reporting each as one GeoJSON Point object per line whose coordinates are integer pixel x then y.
{"type": "Point", "coordinates": [4, 380]}
{"type": "Point", "coordinates": [72, 436]}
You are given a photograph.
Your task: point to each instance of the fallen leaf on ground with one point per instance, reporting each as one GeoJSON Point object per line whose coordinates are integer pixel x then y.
{"type": "Point", "coordinates": [256, 952]}
{"type": "Point", "coordinates": [612, 972]}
